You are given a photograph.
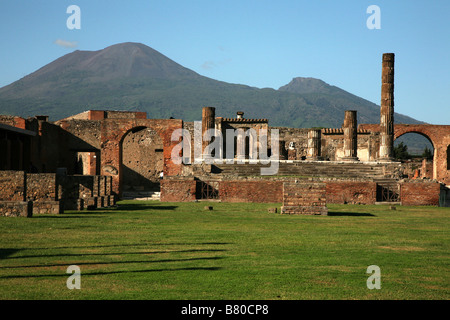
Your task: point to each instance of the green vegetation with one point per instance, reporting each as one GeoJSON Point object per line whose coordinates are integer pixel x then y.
{"type": "Point", "coordinates": [401, 152]}
{"type": "Point", "coordinates": [154, 250]}
{"type": "Point", "coordinates": [427, 154]}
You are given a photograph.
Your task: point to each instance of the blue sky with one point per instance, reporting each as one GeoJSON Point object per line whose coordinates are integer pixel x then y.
{"type": "Point", "coordinates": [256, 43]}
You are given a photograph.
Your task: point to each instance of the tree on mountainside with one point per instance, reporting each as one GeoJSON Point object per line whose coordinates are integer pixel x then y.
{"type": "Point", "coordinates": [427, 154]}
{"type": "Point", "coordinates": [401, 151]}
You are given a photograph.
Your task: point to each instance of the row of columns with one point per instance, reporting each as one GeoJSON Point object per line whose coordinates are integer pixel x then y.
{"type": "Point", "coordinates": [350, 126]}
{"type": "Point", "coordinates": [350, 139]}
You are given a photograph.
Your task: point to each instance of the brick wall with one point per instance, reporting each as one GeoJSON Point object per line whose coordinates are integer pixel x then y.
{"type": "Point", "coordinates": [251, 191]}
{"type": "Point", "coordinates": [420, 193]}
{"type": "Point", "coordinates": [113, 133]}
{"type": "Point", "coordinates": [178, 190]}
{"type": "Point", "coordinates": [351, 192]}
{"type": "Point", "coordinates": [304, 197]}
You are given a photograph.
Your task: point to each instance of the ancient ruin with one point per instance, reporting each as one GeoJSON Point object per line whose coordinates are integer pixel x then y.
{"type": "Point", "coordinates": [92, 159]}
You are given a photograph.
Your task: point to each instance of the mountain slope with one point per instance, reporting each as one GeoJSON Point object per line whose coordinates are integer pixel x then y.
{"type": "Point", "coordinates": [319, 92]}
{"type": "Point", "coordinates": [132, 76]}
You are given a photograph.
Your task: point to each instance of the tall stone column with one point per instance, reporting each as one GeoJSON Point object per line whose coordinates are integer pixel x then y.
{"type": "Point", "coordinates": [387, 109]}
{"type": "Point", "coordinates": [314, 144]}
{"type": "Point", "coordinates": [350, 136]}
{"type": "Point", "coordinates": [208, 122]}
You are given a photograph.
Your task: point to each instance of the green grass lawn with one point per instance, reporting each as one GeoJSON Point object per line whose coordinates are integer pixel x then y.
{"type": "Point", "coordinates": [155, 250]}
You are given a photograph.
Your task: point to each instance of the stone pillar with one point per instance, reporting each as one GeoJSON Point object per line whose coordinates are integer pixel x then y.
{"type": "Point", "coordinates": [350, 136]}
{"type": "Point", "coordinates": [208, 122]}
{"type": "Point", "coordinates": [387, 109]}
{"type": "Point", "coordinates": [314, 137]}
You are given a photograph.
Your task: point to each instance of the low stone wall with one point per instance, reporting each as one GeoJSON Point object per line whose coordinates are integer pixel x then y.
{"type": "Point", "coordinates": [42, 207]}
{"type": "Point", "coordinates": [12, 185]}
{"type": "Point", "coordinates": [41, 186]}
{"type": "Point", "coordinates": [251, 191]}
{"type": "Point", "coordinates": [351, 192]}
{"type": "Point", "coordinates": [16, 208]}
{"type": "Point", "coordinates": [304, 197]}
{"type": "Point", "coordinates": [413, 192]}
{"type": "Point", "coordinates": [81, 192]}
{"type": "Point", "coordinates": [178, 190]}
{"type": "Point", "coordinates": [52, 193]}
{"type": "Point", "coordinates": [420, 193]}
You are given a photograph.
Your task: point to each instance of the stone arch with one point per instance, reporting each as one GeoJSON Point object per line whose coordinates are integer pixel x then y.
{"type": "Point", "coordinates": [419, 133]}
{"type": "Point", "coordinates": [424, 133]}
{"type": "Point", "coordinates": [428, 131]}
{"type": "Point", "coordinates": [113, 131]}
{"type": "Point", "coordinates": [400, 130]}
{"type": "Point", "coordinates": [141, 155]}
{"type": "Point", "coordinates": [448, 157]}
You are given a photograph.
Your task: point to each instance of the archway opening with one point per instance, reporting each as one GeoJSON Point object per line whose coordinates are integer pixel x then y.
{"type": "Point", "coordinates": [448, 157]}
{"type": "Point", "coordinates": [416, 151]}
{"type": "Point", "coordinates": [142, 160]}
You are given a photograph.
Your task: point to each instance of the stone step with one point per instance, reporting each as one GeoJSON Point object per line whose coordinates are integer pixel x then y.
{"type": "Point", "coordinates": [308, 169]}
{"type": "Point", "coordinates": [141, 195]}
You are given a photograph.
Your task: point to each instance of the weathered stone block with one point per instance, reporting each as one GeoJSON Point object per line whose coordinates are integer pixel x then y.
{"type": "Point", "coordinates": [16, 208]}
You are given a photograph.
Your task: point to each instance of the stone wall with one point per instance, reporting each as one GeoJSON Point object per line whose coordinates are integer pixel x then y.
{"type": "Point", "coordinates": [42, 190]}
{"type": "Point", "coordinates": [16, 208]}
{"type": "Point", "coordinates": [41, 187]}
{"type": "Point", "coordinates": [52, 193]}
{"type": "Point", "coordinates": [413, 192]}
{"type": "Point", "coordinates": [12, 186]}
{"type": "Point", "coordinates": [113, 132]}
{"type": "Point", "coordinates": [80, 192]}
{"type": "Point", "coordinates": [142, 159]}
{"type": "Point", "coordinates": [304, 197]}
{"type": "Point", "coordinates": [12, 195]}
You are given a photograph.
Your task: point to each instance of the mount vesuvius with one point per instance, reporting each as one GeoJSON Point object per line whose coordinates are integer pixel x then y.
{"type": "Point", "coordinates": [133, 76]}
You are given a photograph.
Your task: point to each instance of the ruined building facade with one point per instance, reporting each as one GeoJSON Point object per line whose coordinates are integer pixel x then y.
{"type": "Point", "coordinates": [93, 158]}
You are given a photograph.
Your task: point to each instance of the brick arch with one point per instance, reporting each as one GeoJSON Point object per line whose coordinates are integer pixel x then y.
{"type": "Point", "coordinates": [141, 157]}
{"type": "Point", "coordinates": [113, 131]}
{"type": "Point", "coordinates": [400, 130]}
{"type": "Point", "coordinates": [448, 157]}
{"type": "Point", "coordinates": [439, 135]}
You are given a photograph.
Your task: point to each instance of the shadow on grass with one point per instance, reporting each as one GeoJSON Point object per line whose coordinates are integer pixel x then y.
{"type": "Point", "coordinates": [141, 207]}
{"type": "Point", "coordinates": [115, 272]}
{"type": "Point", "coordinates": [113, 253]}
{"type": "Point", "coordinates": [109, 262]}
{"type": "Point", "coordinates": [121, 208]}
{"type": "Point", "coordinates": [13, 250]}
{"type": "Point", "coordinates": [351, 214]}
{"type": "Point", "coordinates": [4, 253]}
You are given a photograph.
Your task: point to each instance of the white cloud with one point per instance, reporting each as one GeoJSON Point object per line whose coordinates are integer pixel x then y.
{"type": "Point", "coordinates": [66, 44]}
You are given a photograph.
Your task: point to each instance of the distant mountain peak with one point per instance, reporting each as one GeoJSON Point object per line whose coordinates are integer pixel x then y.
{"type": "Point", "coordinates": [123, 60]}
{"type": "Point", "coordinates": [133, 76]}
{"type": "Point", "coordinates": [306, 85]}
